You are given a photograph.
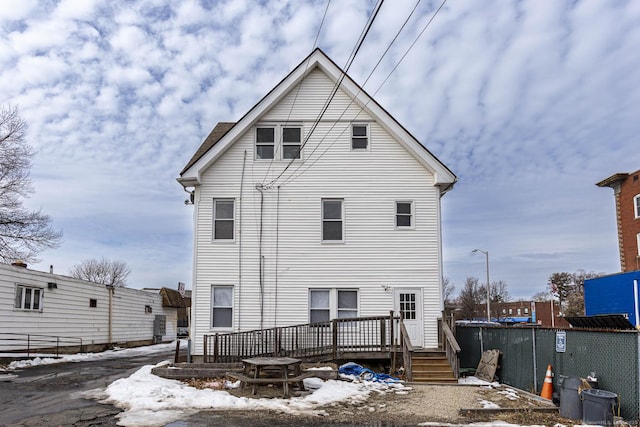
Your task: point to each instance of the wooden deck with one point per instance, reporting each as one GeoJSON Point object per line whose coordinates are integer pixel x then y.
{"type": "Point", "coordinates": [362, 338]}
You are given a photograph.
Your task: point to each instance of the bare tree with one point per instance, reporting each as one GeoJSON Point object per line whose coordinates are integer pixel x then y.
{"type": "Point", "coordinates": [541, 296]}
{"type": "Point", "coordinates": [23, 233]}
{"type": "Point", "coordinates": [448, 289]}
{"type": "Point", "coordinates": [499, 292]}
{"type": "Point", "coordinates": [470, 297]}
{"type": "Point", "coordinates": [103, 271]}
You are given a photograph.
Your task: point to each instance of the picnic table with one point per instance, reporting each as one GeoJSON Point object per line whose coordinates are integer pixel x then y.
{"type": "Point", "coordinates": [287, 368]}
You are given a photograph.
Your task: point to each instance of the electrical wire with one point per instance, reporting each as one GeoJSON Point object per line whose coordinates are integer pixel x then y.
{"type": "Point", "coordinates": [295, 98]}
{"type": "Point", "coordinates": [308, 166]}
{"type": "Point", "coordinates": [355, 51]}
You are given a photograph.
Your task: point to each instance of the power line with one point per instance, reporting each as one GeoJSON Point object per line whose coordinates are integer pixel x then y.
{"type": "Point", "coordinates": [295, 98]}
{"type": "Point", "coordinates": [337, 85]}
{"type": "Point", "coordinates": [291, 177]}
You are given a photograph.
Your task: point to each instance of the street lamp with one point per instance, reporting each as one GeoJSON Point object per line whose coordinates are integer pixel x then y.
{"type": "Point", "coordinates": [486, 254]}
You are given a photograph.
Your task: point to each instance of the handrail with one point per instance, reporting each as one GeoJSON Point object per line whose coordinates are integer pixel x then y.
{"type": "Point", "coordinates": [407, 350]}
{"type": "Point", "coordinates": [14, 342]}
{"type": "Point", "coordinates": [310, 340]}
{"type": "Point", "coordinates": [452, 348]}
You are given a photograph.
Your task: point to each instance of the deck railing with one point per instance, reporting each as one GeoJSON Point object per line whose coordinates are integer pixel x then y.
{"type": "Point", "coordinates": [451, 347]}
{"type": "Point", "coordinates": [407, 351]}
{"type": "Point", "coordinates": [332, 340]}
{"type": "Point", "coordinates": [32, 343]}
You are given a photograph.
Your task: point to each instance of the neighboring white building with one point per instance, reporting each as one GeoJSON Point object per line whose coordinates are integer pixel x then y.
{"type": "Point", "coordinates": [41, 305]}
{"type": "Point", "coordinates": [300, 220]}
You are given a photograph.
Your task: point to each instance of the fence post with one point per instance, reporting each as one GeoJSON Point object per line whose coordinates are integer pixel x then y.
{"type": "Point", "coordinates": [535, 364]}
{"type": "Point", "coordinates": [204, 351]}
{"type": "Point", "coordinates": [391, 325]}
{"type": "Point", "coordinates": [334, 325]}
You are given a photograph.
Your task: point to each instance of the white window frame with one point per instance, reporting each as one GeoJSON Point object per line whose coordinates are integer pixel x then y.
{"type": "Point", "coordinates": [636, 205]}
{"type": "Point", "coordinates": [366, 138]}
{"type": "Point", "coordinates": [291, 144]}
{"type": "Point", "coordinates": [323, 220]}
{"type": "Point", "coordinates": [334, 308]}
{"type": "Point", "coordinates": [323, 309]}
{"type": "Point", "coordinates": [22, 292]}
{"type": "Point", "coordinates": [411, 215]}
{"type": "Point", "coordinates": [216, 219]}
{"type": "Point", "coordinates": [225, 307]}
{"type": "Point", "coordinates": [638, 245]}
{"type": "Point", "coordinates": [265, 144]}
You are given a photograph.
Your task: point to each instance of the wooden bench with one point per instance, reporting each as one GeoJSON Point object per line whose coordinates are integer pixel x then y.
{"type": "Point", "coordinates": [271, 380]}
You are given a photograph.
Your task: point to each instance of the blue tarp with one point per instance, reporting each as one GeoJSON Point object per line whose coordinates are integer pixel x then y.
{"type": "Point", "coordinates": [351, 368]}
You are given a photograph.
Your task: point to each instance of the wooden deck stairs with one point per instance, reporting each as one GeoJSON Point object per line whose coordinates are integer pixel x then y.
{"type": "Point", "coordinates": [431, 366]}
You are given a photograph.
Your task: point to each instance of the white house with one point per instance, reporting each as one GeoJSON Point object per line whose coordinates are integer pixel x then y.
{"type": "Point", "coordinates": [38, 307]}
{"type": "Point", "coordinates": [316, 204]}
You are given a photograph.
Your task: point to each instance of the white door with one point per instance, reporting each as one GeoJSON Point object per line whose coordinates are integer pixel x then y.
{"type": "Point", "coordinates": [408, 303]}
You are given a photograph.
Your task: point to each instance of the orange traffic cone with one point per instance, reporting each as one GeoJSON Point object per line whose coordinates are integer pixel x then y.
{"type": "Point", "coordinates": [547, 387]}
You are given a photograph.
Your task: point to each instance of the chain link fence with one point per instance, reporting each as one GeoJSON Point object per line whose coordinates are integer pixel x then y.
{"type": "Point", "coordinates": [526, 352]}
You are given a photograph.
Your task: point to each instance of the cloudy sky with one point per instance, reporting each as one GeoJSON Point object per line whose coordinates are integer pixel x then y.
{"type": "Point", "coordinates": [530, 103]}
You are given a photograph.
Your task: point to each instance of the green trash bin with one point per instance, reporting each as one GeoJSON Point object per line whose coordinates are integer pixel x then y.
{"type": "Point", "coordinates": [598, 406]}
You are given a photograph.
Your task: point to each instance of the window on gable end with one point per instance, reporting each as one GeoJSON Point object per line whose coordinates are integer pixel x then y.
{"type": "Point", "coordinates": [291, 142]}
{"type": "Point", "coordinates": [359, 137]}
{"type": "Point", "coordinates": [404, 214]}
{"type": "Point", "coordinates": [265, 142]}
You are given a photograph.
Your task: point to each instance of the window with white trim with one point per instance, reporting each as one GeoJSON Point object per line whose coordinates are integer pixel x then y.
{"type": "Point", "coordinates": [638, 245]}
{"type": "Point", "coordinates": [359, 136]}
{"type": "Point", "coordinates": [636, 205]}
{"type": "Point", "coordinates": [347, 304]}
{"type": "Point", "coordinates": [291, 142]}
{"type": "Point", "coordinates": [222, 307]}
{"type": "Point", "coordinates": [332, 220]}
{"type": "Point", "coordinates": [265, 142]}
{"type": "Point", "coordinates": [404, 214]}
{"type": "Point", "coordinates": [327, 304]}
{"type": "Point", "coordinates": [223, 219]}
{"type": "Point", "coordinates": [319, 305]}
{"type": "Point", "coordinates": [28, 298]}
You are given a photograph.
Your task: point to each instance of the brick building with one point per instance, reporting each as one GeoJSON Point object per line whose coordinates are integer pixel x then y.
{"type": "Point", "coordinates": [626, 190]}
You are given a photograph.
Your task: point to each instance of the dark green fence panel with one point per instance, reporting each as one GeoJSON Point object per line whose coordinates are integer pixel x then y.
{"type": "Point", "coordinates": [612, 355]}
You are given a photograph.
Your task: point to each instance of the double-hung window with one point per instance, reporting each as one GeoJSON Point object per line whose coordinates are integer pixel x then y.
{"type": "Point", "coordinates": [223, 219]}
{"type": "Point", "coordinates": [347, 304]}
{"type": "Point", "coordinates": [404, 214]}
{"type": "Point", "coordinates": [319, 305]}
{"type": "Point", "coordinates": [359, 137]}
{"type": "Point", "coordinates": [28, 298]}
{"type": "Point", "coordinates": [222, 307]}
{"type": "Point", "coordinates": [291, 142]}
{"type": "Point", "coordinates": [332, 220]}
{"type": "Point", "coordinates": [636, 205]}
{"type": "Point", "coordinates": [265, 142]}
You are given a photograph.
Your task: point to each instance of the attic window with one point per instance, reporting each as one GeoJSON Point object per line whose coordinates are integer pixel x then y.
{"type": "Point", "coordinates": [265, 142]}
{"type": "Point", "coordinates": [291, 142]}
{"type": "Point", "coordinates": [359, 137]}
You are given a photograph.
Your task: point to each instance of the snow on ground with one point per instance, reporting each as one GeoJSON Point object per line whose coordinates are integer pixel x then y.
{"type": "Point", "coordinates": [83, 357]}
{"type": "Point", "coordinates": [149, 400]}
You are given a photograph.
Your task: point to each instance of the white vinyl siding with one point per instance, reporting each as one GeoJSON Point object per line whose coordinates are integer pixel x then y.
{"type": "Point", "coordinates": [293, 256]}
{"type": "Point", "coordinates": [65, 310]}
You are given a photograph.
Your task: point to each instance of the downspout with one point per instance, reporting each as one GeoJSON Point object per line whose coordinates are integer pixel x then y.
{"type": "Point", "coordinates": [110, 289]}
{"type": "Point", "coordinates": [635, 302]}
{"type": "Point", "coordinates": [275, 314]}
{"type": "Point", "coordinates": [244, 162]}
{"type": "Point", "coordinates": [261, 273]}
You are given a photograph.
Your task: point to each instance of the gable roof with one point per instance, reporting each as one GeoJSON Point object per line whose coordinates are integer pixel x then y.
{"type": "Point", "coordinates": [224, 134]}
